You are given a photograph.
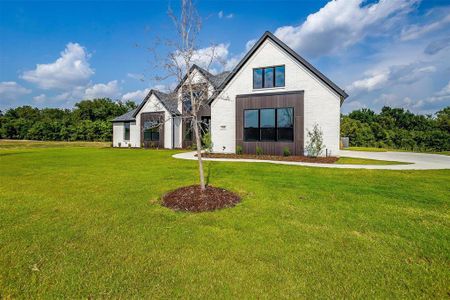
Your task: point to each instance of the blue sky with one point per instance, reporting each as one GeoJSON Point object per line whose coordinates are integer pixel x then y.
{"type": "Point", "coordinates": [396, 52]}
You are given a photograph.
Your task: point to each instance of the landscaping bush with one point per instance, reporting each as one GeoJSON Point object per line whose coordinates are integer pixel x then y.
{"type": "Point", "coordinates": [259, 150]}
{"type": "Point", "coordinates": [286, 151]}
{"type": "Point", "coordinates": [207, 142]}
{"type": "Point", "coordinates": [239, 150]}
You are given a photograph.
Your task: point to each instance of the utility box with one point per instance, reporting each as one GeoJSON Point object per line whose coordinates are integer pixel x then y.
{"type": "Point", "coordinates": [345, 142]}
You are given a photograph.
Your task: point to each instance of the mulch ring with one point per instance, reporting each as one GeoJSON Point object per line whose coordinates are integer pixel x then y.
{"type": "Point", "coordinates": [191, 198]}
{"type": "Point", "coordinates": [322, 160]}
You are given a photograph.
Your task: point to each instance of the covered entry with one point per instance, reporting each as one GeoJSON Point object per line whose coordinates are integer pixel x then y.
{"type": "Point", "coordinates": [152, 129]}
{"type": "Point", "coordinates": [270, 121]}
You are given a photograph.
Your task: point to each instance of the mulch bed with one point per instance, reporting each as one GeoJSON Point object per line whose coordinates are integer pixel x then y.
{"type": "Point", "coordinates": [191, 198]}
{"type": "Point", "coordinates": [322, 160]}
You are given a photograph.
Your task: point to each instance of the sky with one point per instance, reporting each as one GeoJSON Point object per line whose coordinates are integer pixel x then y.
{"type": "Point", "coordinates": [393, 52]}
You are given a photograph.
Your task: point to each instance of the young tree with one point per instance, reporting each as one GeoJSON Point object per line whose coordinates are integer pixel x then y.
{"type": "Point", "coordinates": [183, 54]}
{"type": "Point", "coordinates": [315, 142]}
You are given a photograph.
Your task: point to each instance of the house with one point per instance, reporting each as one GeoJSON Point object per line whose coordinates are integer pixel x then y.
{"type": "Point", "coordinates": [271, 99]}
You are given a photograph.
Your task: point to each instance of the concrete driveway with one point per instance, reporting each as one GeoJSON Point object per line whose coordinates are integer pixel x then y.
{"type": "Point", "coordinates": [418, 161]}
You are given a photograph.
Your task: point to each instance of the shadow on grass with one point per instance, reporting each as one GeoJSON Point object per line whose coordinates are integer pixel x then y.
{"type": "Point", "coordinates": [14, 153]}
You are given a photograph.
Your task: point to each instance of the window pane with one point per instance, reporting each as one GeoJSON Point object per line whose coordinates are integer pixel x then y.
{"type": "Point", "coordinates": [257, 78]}
{"type": "Point", "coordinates": [155, 136]}
{"type": "Point", "coordinates": [251, 118]}
{"type": "Point", "coordinates": [267, 118]}
{"type": "Point", "coordinates": [268, 77]}
{"type": "Point", "coordinates": [279, 76]}
{"type": "Point", "coordinates": [285, 117]}
{"type": "Point", "coordinates": [251, 134]}
{"type": "Point", "coordinates": [147, 135]}
{"type": "Point", "coordinates": [127, 132]}
{"type": "Point", "coordinates": [268, 134]}
{"type": "Point", "coordinates": [285, 134]}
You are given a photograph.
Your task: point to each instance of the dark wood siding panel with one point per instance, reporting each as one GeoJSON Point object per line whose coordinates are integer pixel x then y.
{"type": "Point", "coordinates": [153, 116]}
{"type": "Point", "coordinates": [276, 100]}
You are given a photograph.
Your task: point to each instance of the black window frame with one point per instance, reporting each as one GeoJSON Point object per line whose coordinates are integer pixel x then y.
{"type": "Point", "coordinates": [276, 128]}
{"type": "Point", "coordinates": [274, 81]}
{"type": "Point", "coordinates": [126, 130]}
{"type": "Point", "coordinates": [250, 129]}
{"type": "Point", "coordinates": [153, 131]}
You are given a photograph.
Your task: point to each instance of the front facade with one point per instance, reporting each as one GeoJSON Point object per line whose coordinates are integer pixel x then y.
{"type": "Point", "coordinates": [269, 102]}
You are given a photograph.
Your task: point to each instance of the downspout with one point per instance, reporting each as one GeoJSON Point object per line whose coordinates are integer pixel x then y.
{"type": "Point", "coordinates": [173, 132]}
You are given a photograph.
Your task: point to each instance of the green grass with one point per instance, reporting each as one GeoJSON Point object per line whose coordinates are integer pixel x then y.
{"type": "Point", "coordinates": [365, 161]}
{"type": "Point", "coordinates": [79, 222]}
{"type": "Point", "coordinates": [19, 144]}
{"type": "Point", "coordinates": [373, 149]}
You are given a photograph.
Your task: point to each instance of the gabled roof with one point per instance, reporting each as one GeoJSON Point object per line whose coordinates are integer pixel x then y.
{"type": "Point", "coordinates": [215, 80]}
{"type": "Point", "coordinates": [169, 101]}
{"type": "Point", "coordinates": [126, 117]}
{"type": "Point", "coordinates": [269, 35]}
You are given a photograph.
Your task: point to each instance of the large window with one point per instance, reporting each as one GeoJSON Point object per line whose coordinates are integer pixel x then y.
{"type": "Point", "coordinates": [269, 124]}
{"type": "Point", "coordinates": [151, 134]}
{"type": "Point", "coordinates": [251, 125]}
{"type": "Point", "coordinates": [126, 132]}
{"type": "Point", "coordinates": [285, 124]}
{"type": "Point", "coordinates": [268, 77]}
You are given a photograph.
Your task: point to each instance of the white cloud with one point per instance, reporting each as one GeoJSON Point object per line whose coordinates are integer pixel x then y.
{"type": "Point", "coordinates": [11, 90]}
{"type": "Point", "coordinates": [442, 95]}
{"type": "Point", "coordinates": [221, 15]}
{"type": "Point", "coordinates": [139, 77]}
{"type": "Point", "coordinates": [70, 70]}
{"type": "Point", "coordinates": [210, 58]}
{"type": "Point", "coordinates": [342, 23]}
{"type": "Point", "coordinates": [102, 90]}
{"type": "Point", "coordinates": [415, 31]}
{"type": "Point", "coordinates": [40, 99]}
{"type": "Point", "coordinates": [250, 44]}
{"type": "Point", "coordinates": [137, 96]}
{"type": "Point", "coordinates": [374, 81]}
{"type": "Point", "coordinates": [394, 75]}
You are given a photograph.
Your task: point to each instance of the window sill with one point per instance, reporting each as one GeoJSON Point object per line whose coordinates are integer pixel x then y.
{"type": "Point", "coordinates": [269, 89]}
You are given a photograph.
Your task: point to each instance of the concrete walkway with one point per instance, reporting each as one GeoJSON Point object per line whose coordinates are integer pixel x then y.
{"type": "Point", "coordinates": [418, 161]}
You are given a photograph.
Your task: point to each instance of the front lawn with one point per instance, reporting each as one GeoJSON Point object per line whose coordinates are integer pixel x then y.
{"type": "Point", "coordinates": [79, 222]}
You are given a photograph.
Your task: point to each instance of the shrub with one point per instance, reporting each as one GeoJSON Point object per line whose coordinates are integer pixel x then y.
{"type": "Point", "coordinates": [259, 150]}
{"type": "Point", "coordinates": [315, 142]}
{"type": "Point", "coordinates": [120, 144]}
{"type": "Point", "coordinates": [129, 145]}
{"type": "Point", "coordinates": [239, 150]}
{"type": "Point", "coordinates": [207, 142]}
{"type": "Point", "coordinates": [286, 151]}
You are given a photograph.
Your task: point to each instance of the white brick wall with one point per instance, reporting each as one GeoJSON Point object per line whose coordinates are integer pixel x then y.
{"type": "Point", "coordinates": [322, 105]}
{"type": "Point", "coordinates": [118, 135]}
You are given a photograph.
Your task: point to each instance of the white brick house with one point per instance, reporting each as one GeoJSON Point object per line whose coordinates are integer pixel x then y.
{"type": "Point", "coordinates": [270, 100]}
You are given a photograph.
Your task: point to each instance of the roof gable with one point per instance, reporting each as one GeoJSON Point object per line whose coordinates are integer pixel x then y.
{"type": "Point", "coordinates": [292, 53]}
{"type": "Point", "coordinates": [215, 80]}
{"type": "Point", "coordinates": [167, 100]}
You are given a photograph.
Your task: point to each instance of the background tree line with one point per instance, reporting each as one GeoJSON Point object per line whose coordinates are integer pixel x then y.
{"type": "Point", "coordinates": [398, 128]}
{"type": "Point", "coordinates": [89, 120]}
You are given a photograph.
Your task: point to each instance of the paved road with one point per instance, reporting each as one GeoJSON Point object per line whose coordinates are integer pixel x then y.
{"type": "Point", "coordinates": [418, 161]}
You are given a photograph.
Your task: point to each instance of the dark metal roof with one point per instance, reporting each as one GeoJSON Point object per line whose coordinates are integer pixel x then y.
{"type": "Point", "coordinates": [285, 47]}
{"type": "Point", "coordinates": [126, 117]}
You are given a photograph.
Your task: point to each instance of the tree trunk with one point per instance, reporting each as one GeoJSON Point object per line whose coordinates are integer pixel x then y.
{"type": "Point", "coordinates": [199, 154]}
